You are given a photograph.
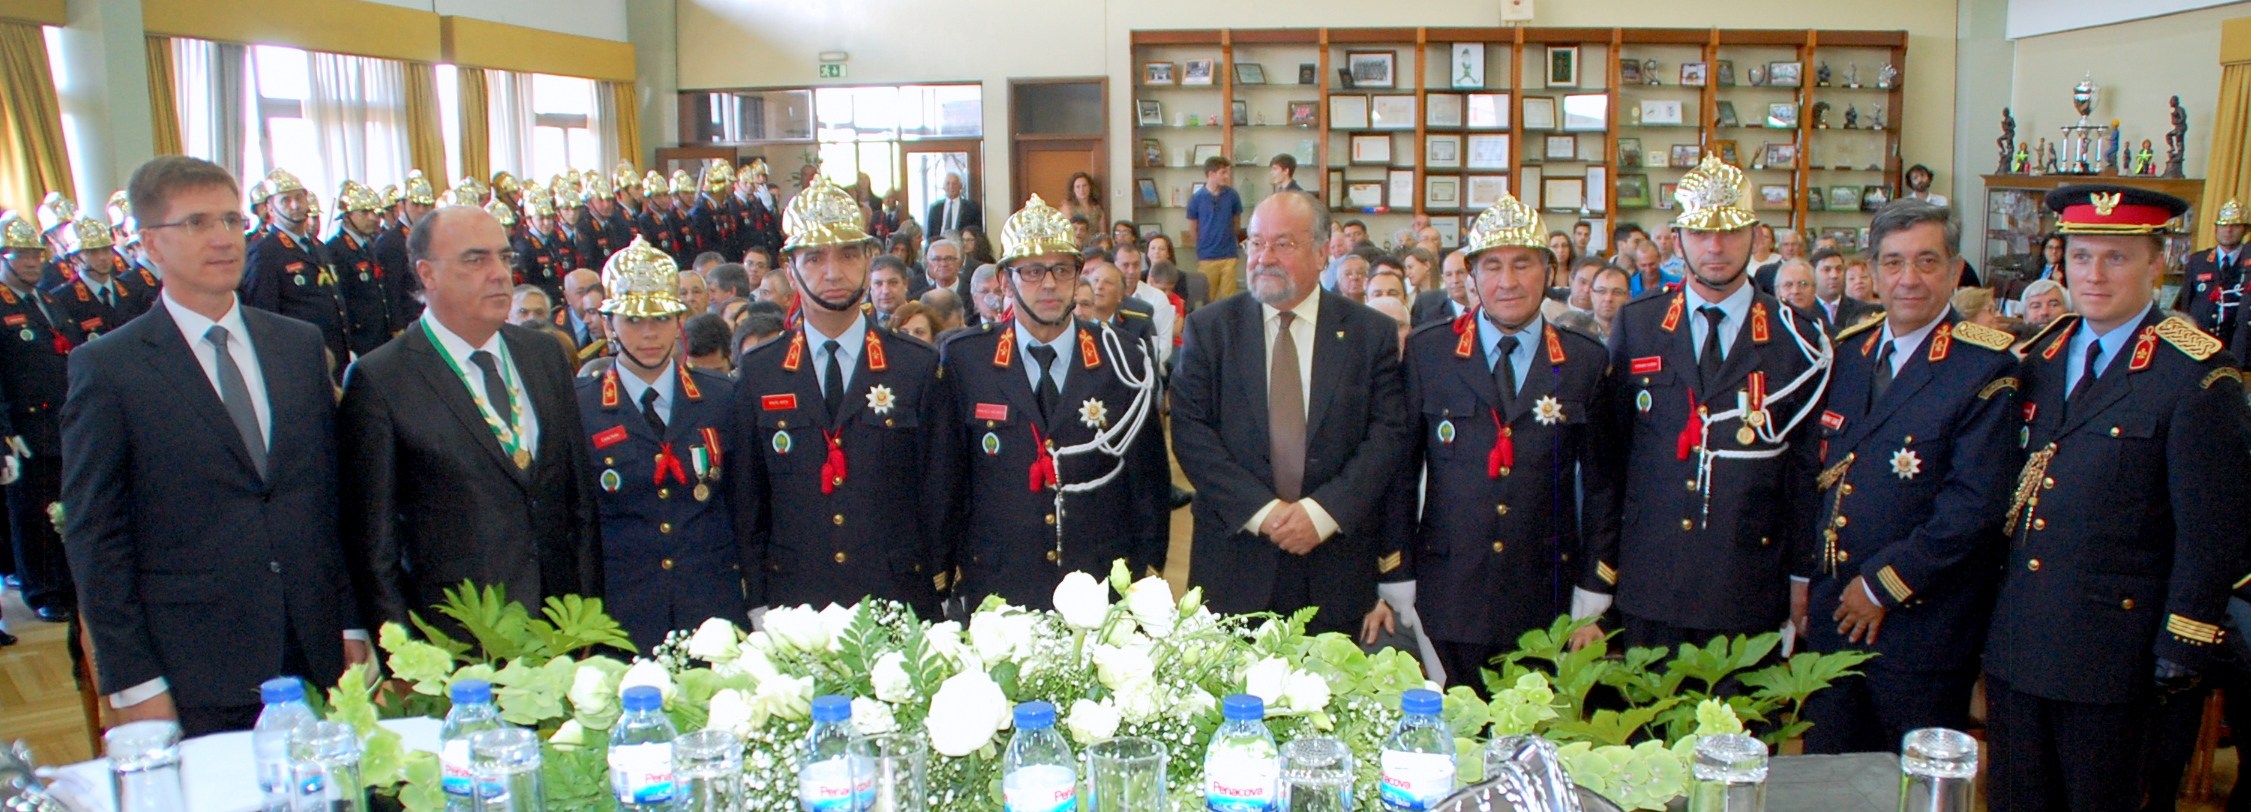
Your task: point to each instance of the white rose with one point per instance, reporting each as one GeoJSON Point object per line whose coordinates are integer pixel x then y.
{"type": "Point", "coordinates": [1091, 721]}
{"type": "Point", "coordinates": [759, 640]}
{"type": "Point", "coordinates": [1119, 667]}
{"type": "Point", "coordinates": [647, 672]}
{"type": "Point", "coordinates": [1197, 703]}
{"type": "Point", "coordinates": [590, 691]}
{"type": "Point", "coordinates": [715, 641]}
{"type": "Point", "coordinates": [890, 677]}
{"type": "Point", "coordinates": [872, 718]}
{"type": "Point", "coordinates": [1150, 601]}
{"type": "Point", "coordinates": [797, 627]}
{"type": "Point", "coordinates": [568, 736]}
{"type": "Point", "coordinates": [965, 713]}
{"type": "Point", "coordinates": [834, 620]}
{"type": "Point", "coordinates": [1268, 679]}
{"type": "Point", "coordinates": [1140, 701]}
{"type": "Point", "coordinates": [1306, 692]}
{"type": "Point", "coordinates": [1001, 635]}
{"type": "Point", "coordinates": [790, 698]}
{"type": "Point", "coordinates": [748, 660]}
{"type": "Point", "coordinates": [732, 712]}
{"type": "Point", "coordinates": [1082, 601]}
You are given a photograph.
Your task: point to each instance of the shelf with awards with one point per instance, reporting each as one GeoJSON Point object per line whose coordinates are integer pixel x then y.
{"type": "Point", "coordinates": [1386, 123]}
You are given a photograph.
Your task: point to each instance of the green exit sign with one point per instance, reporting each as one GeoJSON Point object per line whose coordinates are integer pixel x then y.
{"type": "Point", "coordinates": [832, 70]}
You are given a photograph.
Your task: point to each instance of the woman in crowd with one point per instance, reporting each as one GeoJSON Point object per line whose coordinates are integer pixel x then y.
{"type": "Point", "coordinates": [911, 320]}
{"type": "Point", "coordinates": [1421, 267]}
{"type": "Point", "coordinates": [1085, 201]}
{"type": "Point", "coordinates": [974, 249]}
{"type": "Point", "coordinates": [1160, 250]}
{"type": "Point", "coordinates": [1566, 252]}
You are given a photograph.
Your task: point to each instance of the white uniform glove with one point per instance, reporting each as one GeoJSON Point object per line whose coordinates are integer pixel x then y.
{"type": "Point", "coordinates": [16, 444]}
{"type": "Point", "coordinates": [1401, 596]}
{"type": "Point", "coordinates": [758, 618]}
{"type": "Point", "coordinates": [11, 469]}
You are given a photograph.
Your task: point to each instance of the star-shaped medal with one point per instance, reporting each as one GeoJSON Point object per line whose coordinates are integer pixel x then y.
{"type": "Point", "coordinates": [880, 399]}
{"type": "Point", "coordinates": [1094, 413]}
{"type": "Point", "coordinates": [1548, 410]}
{"type": "Point", "coordinates": [1906, 464]}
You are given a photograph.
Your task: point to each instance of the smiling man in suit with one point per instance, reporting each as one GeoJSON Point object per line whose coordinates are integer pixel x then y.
{"type": "Point", "coordinates": [461, 442]}
{"type": "Point", "coordinates": [1289, 475]}
{"type": "Point", "coordinates": [199, 479]}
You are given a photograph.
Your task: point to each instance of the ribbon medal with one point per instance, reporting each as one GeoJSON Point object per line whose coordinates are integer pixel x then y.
{"type": "Point", "coordinates": [1094, 414]}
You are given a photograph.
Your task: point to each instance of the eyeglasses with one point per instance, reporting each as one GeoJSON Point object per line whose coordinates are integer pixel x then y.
{"type": "Point", "coordinates": [1923, 264]}
{"type": "Point", "coordinates": [1034, 273]}
{"type": "Point", "coordinates": [1260, 246]}
{"type": "Point", "coordinates": [198, 225]}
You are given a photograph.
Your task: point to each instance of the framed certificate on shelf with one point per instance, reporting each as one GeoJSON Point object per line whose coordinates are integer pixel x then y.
{"type": "Point", "coordinates": [1392, 112]}
{"type": "Point", "coordinates": [1485, 190]}
{"type": "Point", "coordinates": [1371, 149]}
{"type": "Point", "coordinates": [1444, 151]}
{"type": "Point", "coordinates": [1445, 110]}
{"type": "Point", "coordinates": [1348, 112]}
{"type": "Point", "coordinates": [1442, 191]}
{"type": "Point", "coordinates": [1487, 111]}
{"type": "Point", "coordinates": [1488, 152]}
{"type": "Point", "coordinates": [1401, 195]}
{"type": "Point", "coordinates": [1364, 194]}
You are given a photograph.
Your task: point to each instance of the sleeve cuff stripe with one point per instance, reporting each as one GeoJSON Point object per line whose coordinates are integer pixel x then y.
{"type": "Point", "coordinates": [1388, 563]}
{"type": "Point", "coordinates": [1604, 571]}
{"type": "Point", "coordinates": [2192, 631]}
{"type": "Point", "coordinates": [1893, 584]}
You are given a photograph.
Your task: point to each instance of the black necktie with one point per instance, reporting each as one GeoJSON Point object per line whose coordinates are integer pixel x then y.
{"type": "Point", "coordinates": [1883, 372]}
{"type": "Point", "coordinates": [649, 411]}
{"type": "Point", "coordinates": [832, 389]}
{"type": "Point", "coordinates": [108, 299]}
{"type": "Point", "coordinates": [1048, 396]}
{"type": "Point", "coordinates": [1708, 361]}
{"type": "Point", "coordinates": [496, 389]}
{"type": "Point", "coordinates": [2093, 369]}
{"type": "Point", "coordinates": [1504, 372]}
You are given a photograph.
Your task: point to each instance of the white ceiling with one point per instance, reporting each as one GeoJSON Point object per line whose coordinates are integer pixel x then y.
{"type": "Point", "coordinates": [2035, 17]}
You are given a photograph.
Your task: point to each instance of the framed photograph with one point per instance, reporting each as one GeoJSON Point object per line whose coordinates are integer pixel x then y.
{"type": "Point", "coordinates": [1445, 110]}
{"type": "Point", "coordinates": [1442, 191]}
{"type": "Point", "coordinates": [1149, 112]}
{"type": "Point", "coordinates": [1308, 73]}
{"type": "Point", "coordinates": [1371, 149]}
{"type": "Point", "coordinates": [1204, 152]}
{"type": "Point", "coordinates": [1782, 115]}
{"type": "Point", "coordinates": [1484, 190]}
{"type": "Point", "coordinates": [1486, 111]}
{"type": "Point", "coordinates": [1469, 65]}
{"type": "Point", "coordinates": [1633, 191]}
{"type": "Point", "coordinates": [1774, 196]}
{"type": "Point", "coordinates": [1685, 156]}
{"type": "Point", "coordinates": [1336, 188]}
{"type": "Point", "coordinates": [1348, 112]}
{"type": "Point", "coordinates": [1660, 113]}
{"type": "Point", "coordinates": [1873, 197]}
{"type": "Point", "coordinates": [1250, 73]}
{"type": "Point", "coordinates": [1781, 156]}
{"type": "Point", "coordinates": [1563, 66]}
{"type": "Point", "coordinates": [1725, 114]}
{"type": "Point", "coordinates": [1666, 193]}
{"type": "Point", "coordinates": [1723, 73]}
{"type": "Point", "coordinates": [1629, 156]}
{"type": "Point", "coordinates": [1442, 151]}
{"type": "Point", "coordinates": [1364, 194]}
{"type": "Point", "coordinates": [1152, 152]}
{"type": "Point", "coordinates": [1629, 71]}
{"type": "Point", "coordinates": [1586, 112]}
{"type": "Point", "coordinates": [1848, 239]}
{"type": "Point", "coordinates": [1401, 191]}
{"type": "Point", "coordinates": [1693, 74]}
{"type": "Point", "coordinates": [1815, 200]}
{"type": "Point", "coordinates": [1562, 148]}
{"type": "Point", "coordinates": [1305, 114]}
{"type": "Point", "coordinates": [1370, 68]}
{"type": "Point", "coordinates": [1539, 112]}
{"type": "Point", "coordinates": [1157, 73]}
{"type": "Point", "coordinates": [1528, 186]}
{"type": "Point", "coordinates": [1449, 230]}
{"type": "Point", "coordinates": [1146, 190]}
{"type": "Point", "coordinates": [1597, 197]}
{"type": "Point", "coordinates": [1240, 111]}
{"type": "Point", "coordinates": [1844, 198]}
{"type": "Point", "coordinates": [1391, 112]}
{"type": "Point", "coordinates": [1487, 152]}
{"type": "Point", "coordinates": [1198, 72]}
{"type": "Point", "coordinates": [1730, 152]}
{"type": "Point", "coordinates": [1563, 194]}
{"type": "Point", "coordinates": [1784, 74]}
{"type": "Point", "coordinates": [1147, 230]}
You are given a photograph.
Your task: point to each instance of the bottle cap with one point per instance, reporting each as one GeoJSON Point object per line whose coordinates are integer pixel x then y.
{"type": "Point", "coordinates": [471, 692]}
{"type": "Point", "coordinates": [643, 697]}
{"type": "Point", "coordinates": [1421, 701]}
{"type": "Point", "coordinates": [832, 708]}
{"type": "Point", "coordinates": [282, 689]}
{"type": "Point", "coordinates": [1242, 708]}
{"type": "Point", "coordinates": [1035, 715]}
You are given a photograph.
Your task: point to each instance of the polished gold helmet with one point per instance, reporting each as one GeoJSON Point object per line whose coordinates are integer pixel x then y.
{"type": "Point", "coordinates": [757, 167]}
{"type": "Point", "coordinates": [469, 191]}
{"type": "Point", "coordinates": [537, 203]}
{"type": "Point", "coordinates": [566, 194]}
{"type": "Point", "coordinates": [18, 233]}
{"type": "Point", "coordinates": [718, 177]}
{"type": "Point", "coordinates": [418, 190]}
{"type": "Point", "coordinates": [822, 215]}
{"type": "Point", "coordinates": [120, 208]}
{"type": "Point", "coordinates": [642, 282]}
{"type": "Point", "coordinates": [504, 183]}
{"type": "Point", "coordinates": [598, 185]}
{"type": "Point", "coordinates": [355, 196]}
{"type": "Point", "coordinates": [85, 234]}
{"type": "Point", "coordinates": [501, 212]}
{"type": "Point", "coordinates": [682, 182]}
{"type": "Point", "coordinates": [1712, 198]}
{"type": "Point", "coordinates": [260, 192]}
{"type": "Point", "coordinates": [1035, 230]}
{"type": "Point", "coordinates": [312, 207]}
{"type": "Point", "coordinates": [392, 196]}
{"type": "Point", "coordinates": [624, 175]}
{"type": "Point", "coordinates": [2231, 214]}
{"type": "Point", "coordinates": [655, 184]}
{"type": "Point", "coordinates": [1508, 223]}
{"type": "Point", "coordinates": [56, 211]}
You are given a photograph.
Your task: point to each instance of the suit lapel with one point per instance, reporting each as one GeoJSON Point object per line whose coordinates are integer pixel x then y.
{"type": "Point", "coordinates": [260, 333]}
{"type": "Point", "coordinates": [1539, 376]}
{"type": "Point", "coordinates": [1253, 387]}
{"type": "Point", "coordinates": [173, 359]}
{"type": "Point", "coordinates": [1023, 403]}
{"type": "Point", "coordinates": [1474, 373]}
{"type": "Point", "coordinates": [1078, 388]}
{"type": "Point", "coordinates": [856, 395]}
{"type": "Point", "coordinates": [448, 388]}
{"type": "Point", "coordinates": [2107, 388]}
{"type": "Point", "coordinates": [1916, 373]}
{"type": "Point", "coordinates": [1328, 360]}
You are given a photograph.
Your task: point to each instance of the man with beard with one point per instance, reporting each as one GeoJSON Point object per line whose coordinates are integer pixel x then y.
{"type": "Point", "coordinates": [367, 309]}
{"type": "Point", "coordinates": [98, 298]}
{"type": "Point", "coordinates": [1716, 375]}
{"type": "Point", "coordinates": [660, 432]}
{"type": "Point", "coordinates": [288, 269]}
{"type": "Point", "coordinates": [1026, 387]}
{"type": "Point", "coordinates": [1289, 473]}
{"type": "Point", "coordinates": [400, 284]}
{"type": "Point", "coordinates": [840, 489]}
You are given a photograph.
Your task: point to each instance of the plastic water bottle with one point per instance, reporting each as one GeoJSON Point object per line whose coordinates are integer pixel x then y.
{"type": "Point", "coordinates": [1037, 774]}
{"type": "Point", "coordinates": [472, 713]}
{"type": "Point", "coordinates": [641, 753]}
{"type": "Point", "coordinates": [830, 778]}
{"type": "Point", "coordinates": [1241, 770]}
{"type": "Point", "coordinates": [1418, 759]}
{"type": "Point", "coordinates": [269, 739]}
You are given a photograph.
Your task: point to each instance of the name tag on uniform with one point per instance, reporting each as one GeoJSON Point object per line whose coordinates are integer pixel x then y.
{"type": "Point", "coordinates": [609, 437]}
{"type": "Point", "coordinates": [992, 411]}
{"type": "Point", "coordinates": [778, 403]}
{"type": "Point", "coordinates": [1646, 365]}
{"type": "Point", "coordinates": [296, 267]}
{"type": "Point", "coordinates": [1832, 421]}
{"type": "Point", "coordinates": [2030, 409]}
{"type": "Point", "coordinates": [18, 319]}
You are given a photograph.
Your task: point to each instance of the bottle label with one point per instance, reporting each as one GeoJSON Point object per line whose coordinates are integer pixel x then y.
{"type": "Point", "coordinates": [1046, 788]}
{"type": "Point", "coordinates": [453, 759]}
{"type": "Point", "coordinates": [835, 785]}
{"type": "Point", "coordinates": [1416, 781]}
{"type": "Point", "coordinates": [641, 773]}
{"type": "Point", "coordinates": [1240, 782]}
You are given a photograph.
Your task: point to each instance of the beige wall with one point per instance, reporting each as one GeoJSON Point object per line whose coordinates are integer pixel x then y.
{"type": "Point", "coordinates": [765, 43]}
{"type": "Point", "coordinates": [2136, 67]}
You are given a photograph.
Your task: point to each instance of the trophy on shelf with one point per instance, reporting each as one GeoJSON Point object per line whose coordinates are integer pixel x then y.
{"type": "Point", "coordinates": [1757, 75]}
{"type": "Point", "coordinates": [2012, 153]}
{"type": "Point", "coordinates": [2176, 139]}
{"type": "Point", "coordinates": [1821, 115]}
{"type": "Point", "coordinates": [1887, 77]}
{"type": "Point", "coordinates": [1876, 116]}
{"type": "Point", "coordinates": [1649, 73]}
{"type": "Point", "coordinates": [1852, 116]}
{"type": "Point", "coordinates": [1821, 75]}
{"type": "Point", "coordinates": [1852, 75]}
{"type": "Point", "coordinates": [2082, 142]}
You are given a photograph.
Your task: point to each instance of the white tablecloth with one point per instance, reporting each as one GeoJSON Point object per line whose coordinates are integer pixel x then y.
{"type": "Point", "coordinates": [220, 771]}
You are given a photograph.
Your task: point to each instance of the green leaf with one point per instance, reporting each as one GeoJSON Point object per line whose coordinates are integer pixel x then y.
{"type": "Point", "coordinates": [423, 790]}
{"type": "Point", "coordinates": [580, 623]}
{"type": "Point", "coordinates": [501, 628]}
{"type": "Point", "coordinates": [438, 638]}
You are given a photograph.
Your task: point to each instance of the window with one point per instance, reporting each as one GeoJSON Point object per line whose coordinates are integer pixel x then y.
{"type": "Point", "coordinates": [563, 125]}
{"type": "Point", "coordinates": [281, 81]}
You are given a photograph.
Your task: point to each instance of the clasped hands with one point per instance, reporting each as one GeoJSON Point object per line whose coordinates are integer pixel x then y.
{"type": "Point", "coordinates": [1291, 528]}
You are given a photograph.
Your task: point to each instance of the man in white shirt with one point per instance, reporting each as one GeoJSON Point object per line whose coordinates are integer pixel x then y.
{"type": "Point", "coordinates": [1134, 265]}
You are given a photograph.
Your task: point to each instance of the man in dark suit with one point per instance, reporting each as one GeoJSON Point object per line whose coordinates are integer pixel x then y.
{"type": "Point", "coordinates": [2126, 529]}
{"type": "Point", "coordinates": [1831, 306]}
{"type": "Point", "coordinates": [460, 442]}
{"type": "Point", "coordinates": [288, 271]}
{"type": "Point", "coordinates": [1289, 415]}
{"type": "Point", "coordinates": [36, 337]}
{"type": "Point", "coordinates": [200, 473]}
{"type": "Point", "coordinates": [1450, 302]}
{"type": "Point", "coordinates": [1918, 456]}
{"type": "Point", "coordinates": [954, 212]}
{"type": "Point", "coordinates": [1500, 406]}
{"type": "Point", "coordinates": [841, 487]}
{"type": "Point", "coordinates": [1024, 390]}
{"type": "Point", "coordinates": [1715, 373]}
{"type": "Point", "coordinates": [2212, 285]}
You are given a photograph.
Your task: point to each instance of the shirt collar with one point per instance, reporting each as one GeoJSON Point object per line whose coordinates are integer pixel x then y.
{"type": "Point", "coordinates": [634, 386]}
{"type": "Point", "coordinates": [457, 346]}
{"type": "Point", "coordinates": [1737, 305]}
{"type": "Point", "coordinates": [1489, 334]}
{"type": "Point", "coordinates": [1025, 339]}
{"type": "Point", "coordinates": [2112, 342]}
{"type": "Point", "coordinates": [193, 325]}
{"type": "Point", "coordinates": [849, 343]}
{"type": "Point", "coordinates": [1904, 344]}
{"type": "Point", "coordinates": [1308, 311]}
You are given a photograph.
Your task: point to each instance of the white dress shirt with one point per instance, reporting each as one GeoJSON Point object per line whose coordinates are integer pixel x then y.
{"type": "Point", "coordinates": [1301, 332]}
{"type": "Point", "coordinates": [1160, 312]}
{"type": "Point", "coordinates": [1734, 311]}
{"type": "Point", "coordinates": [2113, 345]}
{"type": "Point", "coordinates": [1058, 368]}
{"type": "Point", "coordinates": [527, 425]}
{"type": "Point", "coordinates": [634, 386]}
{"type": "Point", "coordinates": [1903, 347]}
{"type": "Point", "coordinates": [848, 347]}
{"type": "Point", "coordinates": [1527, 341]}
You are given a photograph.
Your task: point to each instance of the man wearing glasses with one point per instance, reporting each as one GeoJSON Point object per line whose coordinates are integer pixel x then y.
{"type": "Point", "coordinates": [1027, 392]}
